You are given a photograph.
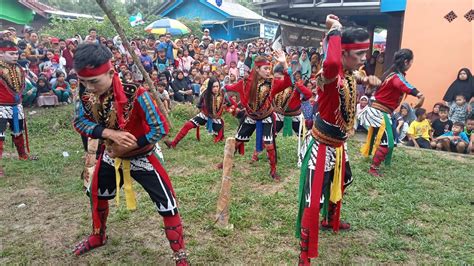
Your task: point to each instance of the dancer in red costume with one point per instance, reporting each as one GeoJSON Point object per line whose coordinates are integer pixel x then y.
{"type": "Point", "coordinates": [12, 84]}
{"type": "Point", "coordinates": [325, 171]}
{"type": "Point", "coordinates": [287, 106]}
{"type": "Point", "coordinates": [256, 95]}
{"type": "Point", "coordinates": [127, 123]}
{"type": "Point", "coordinates": [212, 104]}
{"type": "Point", "coordinates": [380, 138]}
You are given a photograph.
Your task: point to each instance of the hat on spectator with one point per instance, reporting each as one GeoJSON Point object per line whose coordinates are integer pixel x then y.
{"type": "Point", "coordinates": [206, 30]}
{"type": "Point", "coordinates": [55, 40]}
{"type": "Point", "coordinates": [11, 29]}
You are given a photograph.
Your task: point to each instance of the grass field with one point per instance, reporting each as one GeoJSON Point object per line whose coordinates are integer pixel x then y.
{"type": "Point", "coordinates": [420, 212]}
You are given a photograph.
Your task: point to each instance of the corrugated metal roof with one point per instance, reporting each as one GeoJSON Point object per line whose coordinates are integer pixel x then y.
{"type": "Point", "coordinates": [236, 10]}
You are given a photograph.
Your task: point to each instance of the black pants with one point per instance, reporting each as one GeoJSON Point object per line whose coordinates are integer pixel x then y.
{"type": "Point", "coordinates": [144, 173]}
{"type": "Point", "coordinates": [423, 143]}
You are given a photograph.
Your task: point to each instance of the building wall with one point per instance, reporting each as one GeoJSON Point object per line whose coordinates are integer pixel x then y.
{"type": "Point", "coordinates": [441, 48]}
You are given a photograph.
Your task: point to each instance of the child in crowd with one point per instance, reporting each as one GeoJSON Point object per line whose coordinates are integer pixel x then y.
{"type": "Point", "coordinates": [459, 110]}
{"type": "Point", "coordinates": [196, 85]}
{"type": "Point", "coordinates": [146, 59]}
{"type": "Point", "coordinates": [61, 88]}
{"type": "Point", "coordinates": [163, 95]}
{"type": "Point", "coordinates": [454, 141]}
{"type": "Point", "coordinates": [442, 124]}
{"type": "Point", "coordinates": [469, 130]}
{"type": "Point", "coordinates": [419, 132]}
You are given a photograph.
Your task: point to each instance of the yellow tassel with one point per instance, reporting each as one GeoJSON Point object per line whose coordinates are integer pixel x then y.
{"type": "Point", "coordinates": [127, 184]}
{"type": "Point", "coordinates": [366, 148]}
{"type": "Point", "coordinates": [379, 137]}
{"type": "Point", "coordinates": [336, 192]}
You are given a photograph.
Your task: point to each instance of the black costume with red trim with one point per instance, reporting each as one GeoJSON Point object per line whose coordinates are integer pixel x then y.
{"type": "Point", "coordinates": [127, 108]}
{"type": "Point", "coordinates": [325, 170]}
{"type": "Point", "coordinates": [12, 84]}
{"type": "Point", "coordinates": [259, 113]}
{"type": "Point", "coordinates": [210, 116]}
{"type": "Point", "coordinates": [287, 107]}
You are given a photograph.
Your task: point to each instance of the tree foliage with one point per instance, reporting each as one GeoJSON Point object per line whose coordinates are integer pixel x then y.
{"type": "Point", "coordinates": [62, 28]}
{"type": "Point", "coordinates": [125, 7]}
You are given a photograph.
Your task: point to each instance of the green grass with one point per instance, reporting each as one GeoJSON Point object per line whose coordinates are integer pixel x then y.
{"type": "Point", "coordinates": [419, 212]}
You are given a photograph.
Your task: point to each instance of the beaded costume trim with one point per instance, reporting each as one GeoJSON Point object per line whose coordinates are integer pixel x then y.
{"type": "Point", "coordinates": [12, 75]}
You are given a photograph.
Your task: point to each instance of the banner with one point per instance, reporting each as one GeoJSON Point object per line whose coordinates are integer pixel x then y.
{"type": "Point", "coordinates": [298, 36]}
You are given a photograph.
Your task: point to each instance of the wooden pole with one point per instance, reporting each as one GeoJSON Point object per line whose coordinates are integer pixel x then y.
{"type": "Point", "coordinates": [223, 202]}
{"type": "Point", "coordinates": [135, 58]}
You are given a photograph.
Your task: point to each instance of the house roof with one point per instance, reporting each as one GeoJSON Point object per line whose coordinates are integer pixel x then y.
{"type": "Point", "coordinates": [228, 9]}
{"type": "Point", "coordinates": [38, 7]}
{"type": "Point", "coordinates": [46, 10]}
{"type": "Point", "coordinates": [236, 10]}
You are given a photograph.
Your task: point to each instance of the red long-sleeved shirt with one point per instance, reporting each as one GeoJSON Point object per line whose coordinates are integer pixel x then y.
{"type": "Point", "coordinates": [392, 90]}
{"type": "Point", "coordinates": [276, 87]}
{"type": "Point", "coordinates": [11, 89]}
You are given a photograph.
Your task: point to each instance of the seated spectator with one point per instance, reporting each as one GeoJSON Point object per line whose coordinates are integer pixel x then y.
{"type": "Point", "coordinates": [182, 89]}
{"type": "Point", "coordinates": [469, 130]}
{"type": "Point", "coordinates": [163, 95]}
{"type": "Point", "coordinates": [61, 88]}
{"type": "Point", "coordinates": [361, 106]}
{"type": "Point", "coordinates": [442, 124]}
{"type": "Point", "coordinates": [29, 93]}
{"type": "Point", "coordinates": [46, 96]}
{"type": "Point", "coordinates": [433, 115]}
{"type": "Point", "coordinates": [408, 116]}
{"type": "Point", "coordinates": [459, 109]}
{"type": "Point", "coordinates": [196, 85]}
{"type": "Point", "coordinates": [454, 141]}
{"type": "Point", "coordinates": [419, 131]}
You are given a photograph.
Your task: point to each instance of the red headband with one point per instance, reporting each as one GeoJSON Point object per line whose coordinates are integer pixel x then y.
{"type": "Point", "coordinates": [95, 71]}
{"type": "Point", "coordinates": [355, 46]}
{"type": "Point", "coordinates": [9, 49]}
{"type": "Point", "coordinates": [262, 63]}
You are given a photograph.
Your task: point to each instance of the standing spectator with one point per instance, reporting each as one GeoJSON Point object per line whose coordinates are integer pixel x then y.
{"type": "Point", "coordinates": [93, 35]}
{"type": "Point", "coordinates": [168, 47]}
{"type": "Point", "coordinates": [305, 65]}
{"type": "Point", "coordinates": [207, 35]}
{"type": "Point", "coordinates": [463, 85]}
{"type": "Point", "coordinates": [231, 55]}
{"type": "Point", "coordinates": [68, 55]}
{"type": "Point", "coordinates": [379, 65]}
{"type": "Point", "coordinates": [162, 63]}
{"type": "Point", "coordinates": [146, 60]}
{"type": "Point", "coordinates": [13, 37]}
{"type": "Point", "coordinates": [459, 109]}
{"type": "Point", "coordinates": [187, 61]}
{"type": "Point", "coordinates": [419, 131]}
